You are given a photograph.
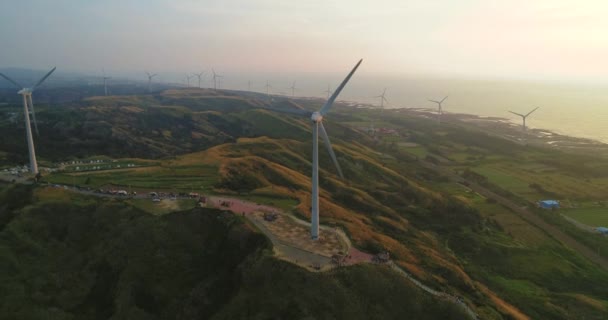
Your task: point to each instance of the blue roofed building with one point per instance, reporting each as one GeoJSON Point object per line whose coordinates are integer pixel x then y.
{"type": "Point", "coordinates": [549, 204]}
{"type": "Point", "coordinates": [602, 230]}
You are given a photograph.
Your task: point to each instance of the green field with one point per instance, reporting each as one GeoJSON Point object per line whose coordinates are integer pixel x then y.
{"type": "Point", "coordinates": [595, 216]}
{"type": "Point", "coordinates": [191, 178]}
{"type": "Point", "coordinates": [164, 206]}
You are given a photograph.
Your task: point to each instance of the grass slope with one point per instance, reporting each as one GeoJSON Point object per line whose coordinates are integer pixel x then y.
{"type": "Point", "coordinates": [88, 258]}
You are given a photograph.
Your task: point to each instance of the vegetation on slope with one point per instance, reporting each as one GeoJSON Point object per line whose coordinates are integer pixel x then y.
{"type": "Point", "coordinates": [86, 258]}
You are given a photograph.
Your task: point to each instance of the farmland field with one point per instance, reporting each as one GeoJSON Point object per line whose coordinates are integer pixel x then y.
{"type": "Point", "coordinates": [594, 216]}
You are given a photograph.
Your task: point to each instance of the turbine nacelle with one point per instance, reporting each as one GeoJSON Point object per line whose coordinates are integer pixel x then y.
{"type": "Point", "coordinates": [25, 91]}
{"type": "Point", "coordinates": [316, 117]}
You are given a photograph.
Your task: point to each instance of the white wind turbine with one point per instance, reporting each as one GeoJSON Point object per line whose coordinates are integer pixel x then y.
{"type": "Point", "coordinates": [293, 89]}
{"type": "Point", "coordinates": [328, 91]}
{"type": "Point", "coordinates": [105, 84]}
{"type": "Point", "coordinates": [216, 77]}
{"type": "Point", "coordinates": [268, 87]}
{"type": "Point", "coordinates": [150, 76]}
{"type": "Point", "coordinates": [523, 117]}
{"type": "Point", "coordinates": [439, 107]}
{"type": "Point", "coordinates": [27, 100]}
{"type": "Point", "coordinates": [382, 99]}
{"type": "Point", "coordinates": [188, 77]}
{"type": "Point", "coordinates": [317, 123]}
{"type": "Point", "coordinates": [199, 76]}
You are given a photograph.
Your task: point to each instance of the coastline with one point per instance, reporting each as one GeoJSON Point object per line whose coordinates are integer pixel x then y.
{"type": "Point", "coordinates": [504, 128]}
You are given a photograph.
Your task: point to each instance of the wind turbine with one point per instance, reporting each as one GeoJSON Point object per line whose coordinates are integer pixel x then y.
{"type": "Point", "coordinates": [293, 89]}
{"type": "Point", "coordinates": [317, 123]}
{"type": "Point", "coordinates": [150, 76]}
{"type": "Point", "coordinates": [188, 77]}
{"type": "Point", "coordinates": [523, 117]}
{"type": "Point", "coordinates": [105, 86]}
{"type": "Point", "coordinates": [215, 78]}
{"type": "Point", "coordinates": [268, 87]}
{"type": "Point", "coordinates": [249, 85]}
{"type": "Point", "coordinates": [328, 91]}
{"type": "Point", "coordinates": [199, 75]}
{"type": "Point", "coordinates": [439, 109]}
{"type": "Point", "coordinates": [382, 99]}
{"type": "Point", "coordinates": [27, 99]}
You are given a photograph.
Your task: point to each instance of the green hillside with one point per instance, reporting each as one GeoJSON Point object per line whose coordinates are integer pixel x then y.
{"type": "Point", "coordinates": [407, 193]}
{"type": "Point", "coordinates": [94, 259]}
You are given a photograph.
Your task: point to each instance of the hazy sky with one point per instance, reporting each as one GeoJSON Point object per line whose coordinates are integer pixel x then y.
{"type": "Point", "coordinates": [552, 39]}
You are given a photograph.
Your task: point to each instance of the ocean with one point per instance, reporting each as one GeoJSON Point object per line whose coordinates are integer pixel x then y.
{"type": "Point", "coordinates": [571, 109]}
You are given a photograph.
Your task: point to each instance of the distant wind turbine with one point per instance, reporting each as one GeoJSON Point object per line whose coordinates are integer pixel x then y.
{"type": "Point", "coordinates": [249, 85]}
{"type": "Point", "coordinates": [199, 76]}
{"type": "Point", "coordinates": [188, 77]}
{"type": "Point", "coordinates": [293, 89]}
{"type": "Point", "coordinates": [382, 99]}
{"type": "Point", "coordinates": [216, 77]}
{"type": "Point", "coordinates": [105, 79]}
{"type": "Point", "coordinates": [268, 87]}
{"type": "Point", "coordinates": [317, 123]}
{"type": "Point", "coordinates": [328, 91]}
{"type": "Point", "coordinates": [27, 99]}
{"type": "Point", "coordinates": [150, 76]}
{"type": "Point", "coordinates": [439, 107]}
{"type": "Point", "coordinates": [523, 117]}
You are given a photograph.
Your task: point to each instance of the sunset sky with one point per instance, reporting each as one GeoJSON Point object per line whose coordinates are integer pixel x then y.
{"type": "Point", "coordinates": [542, 39]}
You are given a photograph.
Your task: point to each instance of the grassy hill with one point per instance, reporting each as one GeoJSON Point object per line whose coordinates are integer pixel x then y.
{"type": "Point", "coordinates": [440, 231]}
{"type": "Point", "coordinates": [94, 259]}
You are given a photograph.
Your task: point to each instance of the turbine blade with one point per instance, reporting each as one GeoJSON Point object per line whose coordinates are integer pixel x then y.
{"type": "Point", "coordinates": [330, 149]}
{"type": "Point", "coordinates": [433, 101]}
{"type": "Point", "coordinates": [11, 81]}
{"type": "Point", "coordinates": [43, 78]}
{"type": "Point", "coordinates": [31, 103]}
{"type": "Point", "coordinates": [519, 114]}
{"type": "Point", "coordinates": [529, 113]}
{"type": "Point", "coordinates": [383, 92]}
{"type": "Point", "coordinates": [442, 100]}
{"type": "Point", "coordinates": [333, 97]}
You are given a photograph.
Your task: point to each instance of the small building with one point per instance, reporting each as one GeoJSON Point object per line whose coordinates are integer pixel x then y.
{"type": "Point", "coordinates": [602, 230]}
{"type": "Point", "coordinates": [549, 204]}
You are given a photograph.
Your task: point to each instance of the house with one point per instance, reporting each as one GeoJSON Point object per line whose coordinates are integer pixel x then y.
{"type": "Point", "coordinates": [549, 204]}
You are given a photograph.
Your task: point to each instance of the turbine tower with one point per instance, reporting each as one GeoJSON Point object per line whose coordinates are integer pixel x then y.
{"type": "Point", "coordinates": [317, 124]}
{"type": "Point", "coordinates": [382, 99]}
{"type": "Point", "coordinates": [27, 99]}
{"type": "Point", "coordinates": [150, 76]}
{"type": "Point", "coordinates": [439, 109]}
{"type": "Point", "coordinates": [293, 89]}
{"type": "Point", "coordinates": [105, 84]}
{"type": "Point", "coordinates": [199, 76]}
{"type": "Point", "coordinates": [523, 117]}
{"type": "Point", "coordinates": [268, 87]}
